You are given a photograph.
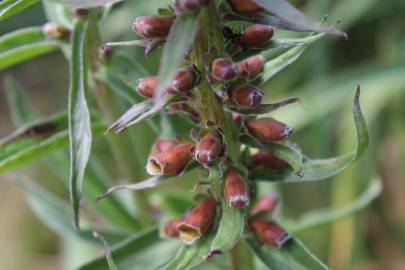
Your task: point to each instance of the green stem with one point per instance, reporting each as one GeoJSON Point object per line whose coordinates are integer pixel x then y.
{"type": "Point", "coordinates": [124, 159]}
{"type": "Point", "coordinates": [209, 45]}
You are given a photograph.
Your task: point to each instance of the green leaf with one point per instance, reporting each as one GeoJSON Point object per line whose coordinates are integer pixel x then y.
{"type": "Point", "coordinates": [125, 251]}
{"type": "Point", "coordinates": [24, 44]}
{"type": "Point", "coordinates": [52, 211]}
{"type": "Point", "coordinates": [108, 257]}
{"type": "Point", "coordinates": [280, 62]}
{"type": "Point", "coordinates": [263, 108]}
{"type": "Point", "coordinates": [86, 3]}
{"type": "Point", "coordinates": [139, 112]}
{"type": "Point", "coordinates": [230, 230]}
{"type": "Point", "coordinates": [20, 110]}
{"type": "Point", "coordinates": [35, 140]}
{"type": "Point", "coordinates": [288, 17]}
{"type": "Point", "coordinates": [283, 151]}
{"type": "Point", "coordinates": [80, 136]}
{"type": "Point", "coordinates": [190, 256]}
{"type": "Point", "coordinates": [293, 255]}
{"type": "Point", "coordinates": [318, 169]}
{"type": "Point", "coordinates": [321, 217]}
{"type": "Point", "coordinates": [180, 38]}
{"type": "Point", "coordinates": [11, 7]}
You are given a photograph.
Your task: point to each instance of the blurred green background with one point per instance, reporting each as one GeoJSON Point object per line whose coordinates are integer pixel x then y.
{"type": "Point", "coordinates": [324, 77]}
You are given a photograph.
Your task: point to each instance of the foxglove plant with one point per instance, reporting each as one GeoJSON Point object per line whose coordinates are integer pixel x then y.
{"type": "Point", "coordinates": [216, 57]}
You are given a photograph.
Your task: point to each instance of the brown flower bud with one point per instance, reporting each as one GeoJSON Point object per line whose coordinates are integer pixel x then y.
{"type": "Point", "coordinates": [198, 221]}
{"type": "Point", "coordinates": [105, 52]}
{"type": "Point", "coordinates": [171, 228]}
{"type": "Point", "coordinates": [245, 7]}
{"type": "Point", "coordinates": [256, 36]}
{"type": "Point", "coordinates": [153, 26]}
{"type": "Point", "coordinates": [208, 148]}
{"type": "Point", "coordinates": [171, 161]}
{"type": "Point", "coordinates": [246, 96]}
{"type": "Point", "coordinates": [55, 30]}
{"type": "Point", "coordinates": [270, 233]}
{"type": "Point", "coordinates": [224, 69]}
{"type": "Point", "coordinates": [163, 145]}
{"type": "Point", "coordinates": [268, 129]}
{"type": "Point", "coordinates": [191, 5]}
{"type": "Point", "coordinates": [236, 191]}
{"type": "Point", "coordinates": [266, 159]}
{"type": "Point", "coordinates": [251, 67]}
{"type": "Point", "coordinates": [183, 81]}
{"type": "Point", "coordinates": [265, 204]}
{"type": "Point", "coordinates": [147, 86]}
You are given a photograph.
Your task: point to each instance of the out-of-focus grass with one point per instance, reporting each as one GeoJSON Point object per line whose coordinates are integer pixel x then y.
{"type": "Point", "coordinates": [325, 77]}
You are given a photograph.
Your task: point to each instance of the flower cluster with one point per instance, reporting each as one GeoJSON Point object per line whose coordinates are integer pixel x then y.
{"type": "Point", "coordinates": [208, 145]}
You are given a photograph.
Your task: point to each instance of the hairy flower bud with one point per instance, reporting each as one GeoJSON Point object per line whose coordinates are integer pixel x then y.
{"type": "Point", "coordinates": [256, 36]}
{"type": "Point", "coordinates": [246, 96]}
{"type": "Point", "coordinates": [147, 86]}
{"type": "Point", "coordinates": [236, 117]}
{"type": "Point", "coordinates": [171, 161]}
{"type": "Point", "coordinates": [265, 204]}
{"type": "Point", "coordinates": [170, 229]}
{"type": "Point", "coordinates": [266, 159]}
{"type": "Point", "coordinates": [183, 81]}
{"type": "Point", "coordinates": [153, 26]}
{"type": "Point", "coordinates": [163, 145]}
{"type": "Point", "coordinates": [270, 233]}
{"type": "Point", "coordinates": [268, 129]}
{"type": "Point", "coordinates": [245, 7]}
{"type": "Point", "coordinates": [55, 30]}
{"type": "Point", "coordinates": [208, 148]}
{"type": "Point", "coordinates": [224, 69]}
{"type": "Point", "coordinates": [191, 5]}
{"type": "Point", "coordinates": [236, 191]}
{"type": "Point", "coordinates": [251, 67]}
{"type": "Point", "coordinates": [198, 221]}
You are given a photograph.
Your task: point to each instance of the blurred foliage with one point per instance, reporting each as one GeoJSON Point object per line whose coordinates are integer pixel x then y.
{"type": "Point", "coordinates": [374, 57]}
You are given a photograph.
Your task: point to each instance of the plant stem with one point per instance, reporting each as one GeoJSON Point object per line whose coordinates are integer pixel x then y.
{"type": "Point", "coordinates": [124, 160]}
{"type": "Point", "coordinates": [209, 44]}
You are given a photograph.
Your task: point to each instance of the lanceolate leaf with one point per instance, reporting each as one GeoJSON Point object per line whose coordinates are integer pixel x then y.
{"type": "Point", "coordinates": [264, 108]}
{"type": "Point", "coordinates": [318, 169]}
{"type": "Point", "coordinates": [288, 17]}
{"type": "Point", "coordinates": [86, 3]}
{"type": "Point", "coordinates": [11, 7]}
{"type": "Point", "coordinates": [24, 44]}
{"type": "Point", "coordinates": [231, 228]}
{"type": "Point", "coordinates": [190, 256]}
{"type": "Point", "coordinates": [80, 136]}
{"type": "Point", "coordinates": [177, 44]}
{"type": "Point", "coordinates": [53, 211]}
{"type": "Point", "coordinates": [125, 251]}
{"type": "Point", "coordinates": [293, 255]}
{"type": "Point", "coordinates": [321, 217]}
{"type": "Point", "coordinates": [20, 109]}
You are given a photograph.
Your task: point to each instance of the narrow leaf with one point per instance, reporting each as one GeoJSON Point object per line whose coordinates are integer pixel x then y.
{"type": "Point", "coordinates": [24, 44]}
{"type": "Point", "coordinates": [288, 15]}
{"type": "Point", "coordinates": [293, 255]}
{"type": "Point", "coordinates": [124, 252]}
{"type": "Point", "coordinates": [230, 230]}
{"type": "Point", "coordinates": [263, 108]}
{"type": "Point", "coordinates": [321, 217]}
{"type": "Point", "coordinates": [318, 169]}
{"type": "Point", "coordinates": [53, 211]}
{"type": "Point", "coordinates": [179, 41]}
{"type": "Point", "coordinates": [190, 256]}
{"type": "Point", "coordinates": [80, 136]}
{"type": "Point", "coordinates": [108, 257]}
{"type": "Point", "coordinates": [11, 7]}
